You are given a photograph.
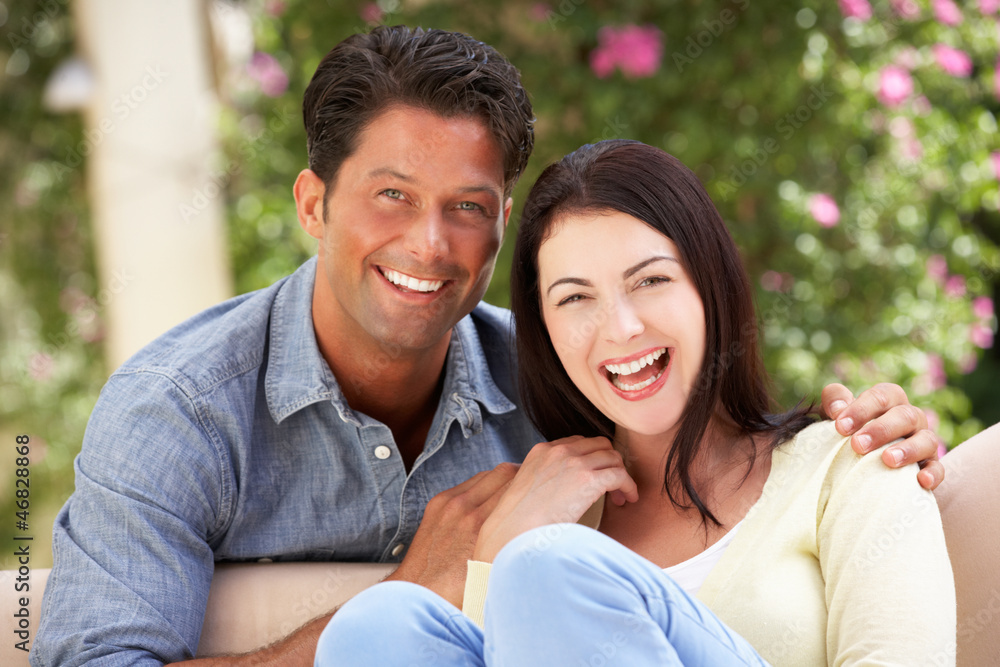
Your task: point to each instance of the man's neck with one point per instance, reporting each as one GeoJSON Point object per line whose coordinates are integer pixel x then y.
{"type": "Point", "coordinates": [400, 388]}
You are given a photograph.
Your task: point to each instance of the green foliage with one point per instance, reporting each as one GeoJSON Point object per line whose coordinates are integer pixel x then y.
{"type": "Point", "coordinates": [768, 105]}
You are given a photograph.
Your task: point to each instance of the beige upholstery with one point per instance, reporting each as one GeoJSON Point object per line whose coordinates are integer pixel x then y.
{"type": "Point", "coordinates": [249, 605]}
{"type": "Point", "coordinates": [252, 605]}
{"type": "Point", "coordinates": [969, 498]}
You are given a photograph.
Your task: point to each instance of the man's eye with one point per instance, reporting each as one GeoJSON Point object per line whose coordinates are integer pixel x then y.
{"type": "Point", "coordinates": [392, 193]}
{"type": "Point", "coordinates": [470, 206]}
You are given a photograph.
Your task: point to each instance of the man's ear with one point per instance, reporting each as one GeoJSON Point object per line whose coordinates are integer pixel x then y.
{"type": "Point", "coordinates": [309, 192]}
{"type": "Point", "coordinates": [508, 206]}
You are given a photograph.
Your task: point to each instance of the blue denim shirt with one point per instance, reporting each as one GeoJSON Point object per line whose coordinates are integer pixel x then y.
{"type": "Point", "coordinates": [229, 439]}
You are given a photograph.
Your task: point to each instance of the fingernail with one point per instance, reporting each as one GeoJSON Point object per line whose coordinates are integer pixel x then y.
{"type": "Point", "coordinates": [865, 441]}
{"type": "Point", "coordinates": [896, 456]}
{"type": "Point", "coordinates": [838, 405]}
{"type": "Point", "coordinates": [846, 424]}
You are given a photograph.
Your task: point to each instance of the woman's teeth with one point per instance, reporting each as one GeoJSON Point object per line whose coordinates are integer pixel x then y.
{"type": "Point", "coordinates": [635, 366]}
{"type": "Point", "coordinates": [636, 387]}
{"type": "Point", "coordinates": [411, 283]}
{"type": "Point", "coordinates": [619, 370]}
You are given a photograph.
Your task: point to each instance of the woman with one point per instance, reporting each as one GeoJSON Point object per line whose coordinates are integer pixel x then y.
{"type": "Point", "coordinates": [635, 326]}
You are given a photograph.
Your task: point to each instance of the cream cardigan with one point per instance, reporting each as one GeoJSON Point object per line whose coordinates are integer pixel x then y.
{"type": "Point", "coordinates": [842, 561]}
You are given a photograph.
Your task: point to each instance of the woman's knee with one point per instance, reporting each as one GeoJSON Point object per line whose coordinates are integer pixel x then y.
{"type": "Point", "coordinates": [386, 616]}
{"type": "Point", "coordinates": [542, 555]}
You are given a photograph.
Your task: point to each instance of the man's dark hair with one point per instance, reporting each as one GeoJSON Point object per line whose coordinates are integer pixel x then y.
{"type": "Point", "coordinates": [448, 73]}
{"type": "Point", "coordinates": [656, 188]}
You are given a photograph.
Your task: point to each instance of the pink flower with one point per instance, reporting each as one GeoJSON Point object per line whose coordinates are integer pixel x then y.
{"type": "Point", "coordinates": [933, 420]}
{"type": "Point", "coordinates": [981, 335]}
{"type": "Point", "coordinates": [982, 307]}
{"type": "Point", "coordinates": [995, 159]}
{"type": "Point", "coordinates": [371, 13]}
{"type": "Point", "coordinates": [941, 450]}
{"type": "Point", "coordinates": [824, 210]}
{"type": "Point", "coordinates": [934, 377]}
{"type": "Point", "coordinates": [894, 85]}
{"type": "Point", "coordinates": [988, 7]}
{"type": "Point", "coordinates": [906, 9]}
{"type": "Point", "coordinates": [772, 281]}
{"type": "Point", "coordinates": [937, 268]}
{"type": "Point", "coordinates": [275, 8]}
{"type": "Point", "coordinates": [908, 57]}
{"type": "Point", "coordinates": [953, 61]}
{"type": "Point", "coordinates": [912, 149]}
{"type": "Point", "coordinates": [955, 286]}
{"type": "Point", "coordinates": [968, 363]}
{"type": "Point", "coordinates": [859, 9]}
{"type": "Point", "coordinates": [40, 366]}
{"type": "Point", "coordinates": [539, 12]}
{"type": "Point", "coordinates": [266, 71]}
{"type": "Point", "coordinates": [946, 12]}
{"type": "Point", "coordinates": [921, 105]}
{"type": "Point", "coordinates": [635, 50]}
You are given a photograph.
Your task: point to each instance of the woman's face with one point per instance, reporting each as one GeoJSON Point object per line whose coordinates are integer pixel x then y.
{"type": "Point", "coordinates": [624, 317]}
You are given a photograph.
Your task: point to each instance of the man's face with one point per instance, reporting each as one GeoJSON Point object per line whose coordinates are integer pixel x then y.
{"type": "Point", "coordinates": [411, 229]}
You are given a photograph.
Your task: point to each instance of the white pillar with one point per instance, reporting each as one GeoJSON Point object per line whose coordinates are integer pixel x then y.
{"type": "Point", "coordinates": [158, 217]}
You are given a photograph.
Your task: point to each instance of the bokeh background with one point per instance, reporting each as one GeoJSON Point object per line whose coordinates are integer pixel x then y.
{"type": "Point", "coordinates": [851, 146]}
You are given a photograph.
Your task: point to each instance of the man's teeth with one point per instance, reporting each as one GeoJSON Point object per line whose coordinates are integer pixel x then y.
{"type": "Point", "coordinates": [635, 366]}
{"type": "Point", "coordinates": [411, 283]}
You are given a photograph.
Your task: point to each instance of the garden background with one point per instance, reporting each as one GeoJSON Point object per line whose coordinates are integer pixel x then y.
{"type": "Point", "coordinates": [852, 148]}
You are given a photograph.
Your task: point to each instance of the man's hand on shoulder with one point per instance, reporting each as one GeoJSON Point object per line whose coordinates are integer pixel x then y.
{"type": "Point", "coordinates": [447, 534]}
{"type": "Point", "coordinates": [881, 415]}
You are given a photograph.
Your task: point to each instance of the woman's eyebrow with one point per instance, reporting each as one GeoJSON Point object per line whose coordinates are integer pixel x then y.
{"type": "Point", "coordinates": [628, 273]}
{"type": "Point", "coordinates": [569, 281]}
{"type": "Point", "coordinates": [625, 274]}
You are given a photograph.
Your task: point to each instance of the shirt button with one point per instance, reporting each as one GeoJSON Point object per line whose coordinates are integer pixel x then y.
{"type": "Point", "coordinates": [382, 452]}
{"type": "Point", "coordinates": [398, 549]}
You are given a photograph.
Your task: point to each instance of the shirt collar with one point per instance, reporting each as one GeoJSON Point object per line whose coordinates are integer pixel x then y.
{"type": "Point", "coordinates": [297, 374]}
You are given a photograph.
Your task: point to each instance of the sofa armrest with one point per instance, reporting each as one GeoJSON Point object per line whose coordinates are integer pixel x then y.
{"type": "Point", "coordinates": [251, 605]}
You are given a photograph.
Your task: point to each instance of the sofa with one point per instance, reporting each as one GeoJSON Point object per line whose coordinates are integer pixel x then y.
{"type": "Point", "coordinates": [252, 605]}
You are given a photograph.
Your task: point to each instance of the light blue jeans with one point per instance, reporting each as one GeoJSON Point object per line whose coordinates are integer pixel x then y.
{"type": "Point", "coordinates": [558, 595]}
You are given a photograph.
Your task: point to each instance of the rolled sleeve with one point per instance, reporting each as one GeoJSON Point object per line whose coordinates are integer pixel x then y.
{"type": "Point", "coordinates": [132, 560]}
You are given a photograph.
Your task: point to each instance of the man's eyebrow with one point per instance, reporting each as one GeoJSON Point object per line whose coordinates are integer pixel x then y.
{"type": "Point", "coordinates": [389, 171]}
{"type": "Point", "coordinates": [625, 274]}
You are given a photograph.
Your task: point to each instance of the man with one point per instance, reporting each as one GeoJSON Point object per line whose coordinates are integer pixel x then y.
{"type": "Point", "coordinates": [317, 418]}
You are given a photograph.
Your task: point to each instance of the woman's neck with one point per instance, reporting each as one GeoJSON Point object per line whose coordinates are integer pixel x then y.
{"type": "Point", "coordinates": [717, 471]}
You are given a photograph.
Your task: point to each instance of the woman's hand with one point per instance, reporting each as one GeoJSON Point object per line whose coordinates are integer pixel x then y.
{"type": "Point", "coordinates": [557, 483]}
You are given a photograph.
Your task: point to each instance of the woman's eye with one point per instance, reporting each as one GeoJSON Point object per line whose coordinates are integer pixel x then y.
{"type": "Point", "coordinates": [653, 280]}
{"type": "Point", "coordinates": [570, 299]}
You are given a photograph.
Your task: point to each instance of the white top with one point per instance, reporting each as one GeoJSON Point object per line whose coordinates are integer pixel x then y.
{"type": "Point", "coordinates": [691, 573]}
